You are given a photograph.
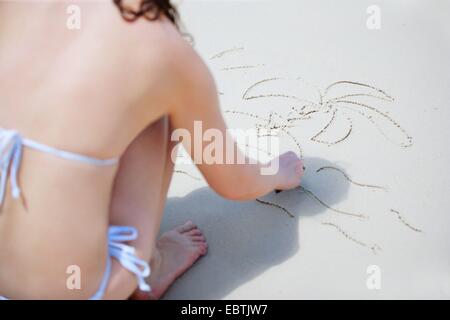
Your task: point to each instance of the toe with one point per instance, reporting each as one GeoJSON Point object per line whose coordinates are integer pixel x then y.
{"type": "Point", "coordinates": [194, 232]}
{"type": "Point", "coordinates": [200, 247]}
{"type": "Point", "coordinates": [198, 239]}
{"type": "Point", "coordinates": [203, 249]}
{"type": "Point", "coordinates": [188, 226]}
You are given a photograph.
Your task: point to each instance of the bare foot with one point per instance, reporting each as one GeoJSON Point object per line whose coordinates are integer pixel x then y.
{"type": "Point", "coordinates": [176, 251]}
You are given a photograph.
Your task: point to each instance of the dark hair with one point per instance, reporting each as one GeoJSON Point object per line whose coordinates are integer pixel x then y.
{"type": "Point", "coordinates": [149, 9]}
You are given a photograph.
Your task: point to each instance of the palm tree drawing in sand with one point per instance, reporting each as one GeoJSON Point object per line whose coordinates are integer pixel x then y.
{"type": "Point", "coordinates": [343, 102]}
{"type": "Point", "coordinates": [353, 99]}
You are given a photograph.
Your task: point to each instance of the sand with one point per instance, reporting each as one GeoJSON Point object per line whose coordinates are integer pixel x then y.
{"type": "Point", "coordinates": [380, 152]}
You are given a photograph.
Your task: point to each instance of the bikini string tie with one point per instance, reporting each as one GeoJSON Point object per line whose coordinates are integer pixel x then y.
{"type": "Point", "coordinates": [11, 149]}
{"type": "Point", "coordinates": [126, 255]}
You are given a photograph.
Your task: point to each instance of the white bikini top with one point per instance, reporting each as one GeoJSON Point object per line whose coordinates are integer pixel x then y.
{"type": "Point", "coordinates": [11, 149]}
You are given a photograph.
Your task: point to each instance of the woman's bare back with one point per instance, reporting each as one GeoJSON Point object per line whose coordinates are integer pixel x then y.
{"type": "Point", "coordinates": [84, 91]}
{"type": "Point", "coordinates": [93, 91]}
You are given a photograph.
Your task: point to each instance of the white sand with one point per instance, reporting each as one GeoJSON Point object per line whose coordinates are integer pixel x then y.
{"type": "Point", "coordinates": [258, 251]}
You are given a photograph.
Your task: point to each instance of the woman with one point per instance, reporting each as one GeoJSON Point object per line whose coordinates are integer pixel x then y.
{"type": "Point", "coordinates": [86, 118]}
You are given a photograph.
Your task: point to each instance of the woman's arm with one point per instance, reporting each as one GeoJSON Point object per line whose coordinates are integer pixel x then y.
{"type": "Point", "coordinates": [197, 101]}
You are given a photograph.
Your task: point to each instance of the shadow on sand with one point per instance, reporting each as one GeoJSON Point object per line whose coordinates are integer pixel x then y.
{"type": "Point", "coordinates": [246, 238]}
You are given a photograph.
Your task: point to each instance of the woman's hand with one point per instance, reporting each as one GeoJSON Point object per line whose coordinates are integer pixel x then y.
{"type": "Point", "coordinates": [290, 171]}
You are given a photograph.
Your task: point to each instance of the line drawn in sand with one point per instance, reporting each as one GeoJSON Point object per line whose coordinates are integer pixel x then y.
{"type": "Point", "coordinates": [349, 179]}
{"type": "Point", "coordinates": [316, 138]}
{"type": "Point", "coordinates": [318, 200]}
{"type": "Point", "coordinates": [247, 96]}
{"type": "Point", "coordinates": [230, 51]}
{"type": "Point", "coordinates": [403, 221]}
{"type": "Point", "coordinates": [268, 203]}
{"type": "Point", "coordinates": [346, 213]}
{"type": "Point", "coordinates": [244, 67]}
{"type": "Point", "coordinates": [187, 174]}
{"type": "Point", "coordinates": [226, 52]}
{"type": "Point", "coordinates": [374, 247]}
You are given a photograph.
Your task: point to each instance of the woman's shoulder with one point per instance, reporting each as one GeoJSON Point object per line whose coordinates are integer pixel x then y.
{"type": "Point", "coordinates": [155, 48]}
{"type": "Point", "coordinates": [156, 60]}
{"type": "Point", "coordinates": [168, 56]}
{"type": "Point", "coordinates": [146, 41]}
